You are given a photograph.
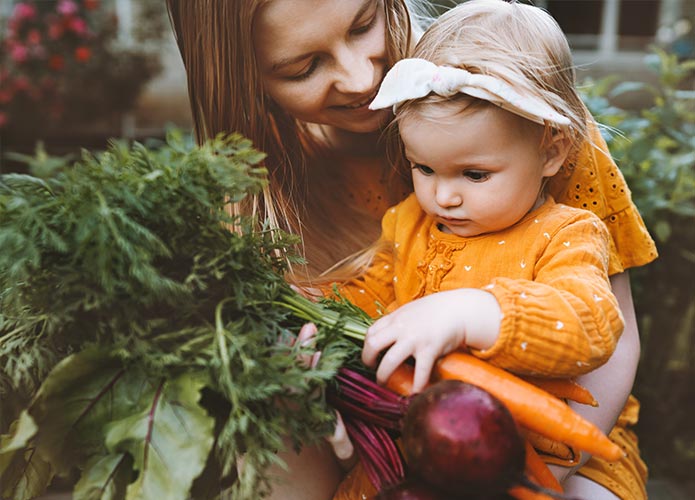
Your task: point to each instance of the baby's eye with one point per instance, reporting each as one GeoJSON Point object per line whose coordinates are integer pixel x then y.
{"type": "Point", "coordinates": [476, 175]}
{"type": "Point", "coordinates": [424, 169]}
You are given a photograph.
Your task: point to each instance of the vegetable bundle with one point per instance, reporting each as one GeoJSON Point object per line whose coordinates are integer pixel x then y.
{"type": "Point", "coordinates": [139, 343]}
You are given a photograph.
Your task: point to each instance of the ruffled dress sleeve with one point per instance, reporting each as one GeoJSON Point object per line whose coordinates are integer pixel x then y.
{"type": "Point", "coordinates": [591, 180]}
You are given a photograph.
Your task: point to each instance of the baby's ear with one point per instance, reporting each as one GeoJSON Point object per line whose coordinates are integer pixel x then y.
{"type": "Point", "coordinates": [555, 151]}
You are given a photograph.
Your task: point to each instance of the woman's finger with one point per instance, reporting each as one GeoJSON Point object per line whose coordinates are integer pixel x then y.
{"type": "Point", "coordinates": [340, 441]}
{"type": "Point", "coordinates": [305, 337]}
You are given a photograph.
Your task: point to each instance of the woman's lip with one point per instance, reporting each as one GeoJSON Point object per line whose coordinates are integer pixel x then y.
{"type": "Point", "coordinates": [362, 103]}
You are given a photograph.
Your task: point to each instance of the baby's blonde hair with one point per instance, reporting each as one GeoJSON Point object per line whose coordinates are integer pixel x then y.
{"type": "Point", "coordinates": [518, 43]}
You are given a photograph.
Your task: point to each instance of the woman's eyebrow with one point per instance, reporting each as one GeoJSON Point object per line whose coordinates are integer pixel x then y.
{"type": "Point", "coordinates": [288, 61]}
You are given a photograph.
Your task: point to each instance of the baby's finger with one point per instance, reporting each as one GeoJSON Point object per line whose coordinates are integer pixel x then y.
{"type": "Point", "coordinates": [374, 343]}
{"type": "Point", "coordinates": [423, 371]}
{"type": "Point", "coordinates": [393, 358]}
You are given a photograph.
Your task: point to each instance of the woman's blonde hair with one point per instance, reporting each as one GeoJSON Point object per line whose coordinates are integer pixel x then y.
{"type": "Point", "coordinates": [518, 43]}
{"type": "Point", "coordinates": [226, 94]}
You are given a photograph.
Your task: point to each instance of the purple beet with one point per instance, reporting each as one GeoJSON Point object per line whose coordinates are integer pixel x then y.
{"type": "Point", "coordinates": [412, 489]}
{"type": "Point", "coordinates": [463, 440]}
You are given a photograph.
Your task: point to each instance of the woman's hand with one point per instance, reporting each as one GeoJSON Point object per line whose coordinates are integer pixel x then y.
{"type": "Point", "coordinates": [339, 441]}
{"type": "Point", "coordinates": [429, 328]}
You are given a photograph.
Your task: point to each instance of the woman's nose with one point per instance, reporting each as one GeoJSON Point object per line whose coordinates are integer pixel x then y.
{"type": "Point", "coordinates": [355, 71]}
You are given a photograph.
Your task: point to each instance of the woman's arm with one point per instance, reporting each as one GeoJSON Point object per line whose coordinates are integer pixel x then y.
{"type": "Point", "coordinates": [611, 384]}
{"type": "Point", "coordinates": [312, 474]}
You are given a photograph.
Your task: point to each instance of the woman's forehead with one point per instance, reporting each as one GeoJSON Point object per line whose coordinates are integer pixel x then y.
{"type": "Point", "coordinates": [296, 25]}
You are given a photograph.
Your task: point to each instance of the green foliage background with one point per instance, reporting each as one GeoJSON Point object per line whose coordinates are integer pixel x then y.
{"type": "Point", "coordinates": [654, 147]}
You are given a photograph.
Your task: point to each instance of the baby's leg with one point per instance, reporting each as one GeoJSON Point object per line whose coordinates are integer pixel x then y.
{"type": "Point", "coordinates": [582, 487]}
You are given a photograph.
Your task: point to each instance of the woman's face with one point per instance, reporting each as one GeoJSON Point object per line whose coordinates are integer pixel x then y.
{"type": "Point", "coordinates": [323, 60]}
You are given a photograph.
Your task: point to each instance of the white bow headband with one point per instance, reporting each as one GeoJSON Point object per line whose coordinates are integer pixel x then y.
{"type": "Point", "coordinates": [415, 78]}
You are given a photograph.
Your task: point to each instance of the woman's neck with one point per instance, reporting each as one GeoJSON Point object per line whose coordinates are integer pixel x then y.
{"type": "Point", "coordinates": [344, 142]}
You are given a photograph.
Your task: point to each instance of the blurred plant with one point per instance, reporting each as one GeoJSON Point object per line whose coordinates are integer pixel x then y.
{"type": "Point", "coordinates": [655, 149]}
{"type": "Point", "coordinates": [678, 38]}
{"type": "Point", "coordinates": [61, 63]}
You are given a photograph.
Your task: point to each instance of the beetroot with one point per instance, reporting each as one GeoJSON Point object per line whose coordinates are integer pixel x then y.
{"type": "Point", "coordinates": [463, 440]}
{"type": "Point", "coordinates": [412, 489]}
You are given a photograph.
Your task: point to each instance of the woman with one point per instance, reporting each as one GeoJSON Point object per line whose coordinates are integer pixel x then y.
{"type": "Point", "coordinates": [296, 77]}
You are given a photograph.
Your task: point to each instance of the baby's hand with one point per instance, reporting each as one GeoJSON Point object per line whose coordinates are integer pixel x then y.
{"type": "Point", "coordinates": [429, 328]}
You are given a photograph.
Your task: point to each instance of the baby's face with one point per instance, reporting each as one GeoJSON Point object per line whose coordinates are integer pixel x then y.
{"type": "Point", "coordinates": [477, 171]}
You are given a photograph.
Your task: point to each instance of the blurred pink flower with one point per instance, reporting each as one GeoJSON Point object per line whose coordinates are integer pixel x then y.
{"type": "Point", "coordinates": [24, 11]}
{"type": "Point", "coordinates": [67, 7]}
{"type": "Point", "coordinates": [78, 25]}
{"type": "Point", "coordinates": [6, 95]}
{"type": "Point", "coordinates": [34, 37]}
{"type": "Point", "coordinates": [55, 30]}
{"type": "Point", "coordinates": [21, 84]}
{"type": "Point", "coordinates": [19, 53]}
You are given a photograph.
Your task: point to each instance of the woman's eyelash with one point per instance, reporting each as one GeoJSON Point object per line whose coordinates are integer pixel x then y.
{"type": "Point", "coordinates": [315, 62]}
{"type": "Point", "coordinates": [306, 74]}
{"type": "Point", "coordinates": [366, 27]}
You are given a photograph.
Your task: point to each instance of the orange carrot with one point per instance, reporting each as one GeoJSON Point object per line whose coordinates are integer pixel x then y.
{"type": "Point", "coordinates": [531, 406]}
{"type": "Point", "coordinates": [539, 473]}
{"type": "Point", "coordinates": [538, 470]}
{"type": "Point", "coordinates": [564, 388]}
{"type": "Point", "coordinates": [524, 493]}
{"type": "Point", "coordinates": [401, 381]}
{"type": "Point", "coordinates": [549, 446]}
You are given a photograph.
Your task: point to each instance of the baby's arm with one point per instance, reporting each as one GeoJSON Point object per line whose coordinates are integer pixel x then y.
{"type": "Point", "coordinates": [567, 321]}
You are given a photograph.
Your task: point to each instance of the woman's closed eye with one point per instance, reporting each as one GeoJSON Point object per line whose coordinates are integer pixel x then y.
{"type": "Point", "coordinates": [306, 72]}
{"type": "Point", "coordinates": [364, 28]}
